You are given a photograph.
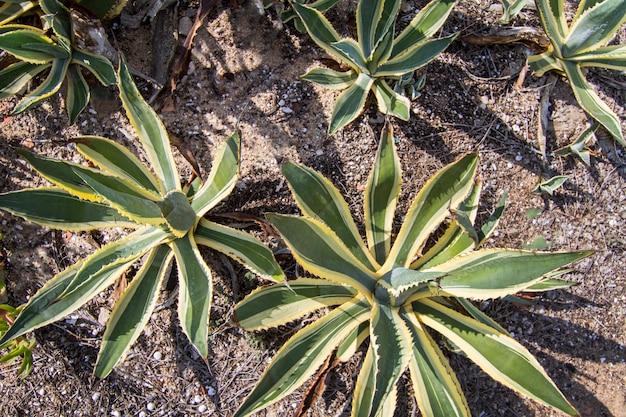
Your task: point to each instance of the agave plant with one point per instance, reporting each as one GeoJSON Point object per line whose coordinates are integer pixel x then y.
{"type": "Point", "coordinates": [16, 348]}
{"type": "Point", "coordinates": [168, 222]}
{"type": "Point", "coordinates": [580, 45]}
{"type": "Point", "coordinates": [377, 54]}
{"type": "Point", "coordinates": [320, 5]}
{"type": "Point", "coordinates": [396, 293]}
{"type": "Point", "coordinates": [53, 48]}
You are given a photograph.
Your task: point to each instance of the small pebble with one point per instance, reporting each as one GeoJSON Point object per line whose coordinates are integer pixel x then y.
{"type": "Point", "coordinates": [157, 355]}
{"type": "Point", "coordinates": [95, 396]}
{"type": "Point", "coordinates": [150, 407]}
{"type": "Point", "coordinates": [201, 408]}
{"type": "Point", "coordinates": [115, 413]}
{"type": "Point", "coordinates": [210, 391]}
{"type": "Point", "coordinates": [142, 414]}
{"type": "Point", "coordinates": [519, 158]}
{"type": "Point", "coordinates": [286, 109]}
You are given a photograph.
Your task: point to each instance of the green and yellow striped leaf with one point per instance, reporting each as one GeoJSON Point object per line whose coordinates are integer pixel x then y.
{"type": "Point", "coordinates": [414, 57]}
{"type": "Point", "coordinates": [56, 208]}
{"type": "Point", "coordinates": [500, 356]}
{"type": "Point", "coordinates": [49, 304]}
{"type": "Point", "coordinates": [494, 273]}
{"type": "Point", "coordinates": [391, 102]}
{"type": "Point", "coordinates": [437, 389]}
{"type": "Point", "coordinates": [132, 312]}
{"type": "Point", "coordinates": [317, 26]}
{"type": "Point", "coordinates": [222, 177]}
{"type": "Point", "coordinates": [611, 57]}
{"type": "Point", "coordinates": [11, 10]}
{"type": "Point", "coordinates": [15, 77]}
{"type": "Point", "coordinates": [241, 247]}
{"type": "Point", "coordinates": [77, 93]}
{"type": "Point", "coordinates": [365, 386]}
{"type": "Point", "coordinates": [48, 87]}
{"type": "Point", "coordinates": [326, 77]}
{"type": "Point", "coordinates": [591, 103]}
{"type": "Point", "coordinates": [103, 9]}
{"type": "Point", "coordinates": [59, 19]}
{"type": "Point", "coordinates": [594, 27]}
{"type": "Point", "coordinates": [195, 293]}
{"type": "Point", "coordinates": [117, 160]}
{"type": "Point", "coordinates": [424, 25]}
{"type": "Point", "coordinates": [318, 198]}
{"type": "Point", "coordinates": [31, 45]}
{"type": "Point", "coordinates": [448, 188]}
{"type": "Point", "coordinates": [350, 52]}
{"type": "Point", "coordinates": [278, 304]}
{"type": "Point", "coordinates": [98, 65]}
{"type": "Point", "coordinates": [349, 346]}
{"type": "Point", "coordinates": [322, 253]}
{"type": "Point", "coordinates": [381, 196]}
{"type": "Point", "coordinates": [300, 357]}
{"type": "Point", "coordinates": [552, 16]}
{"type": "Point", "coordinates": [550, 284]}
{"type": "Point", "coordinates": [150, 129]}
{"type": "Point", "coordinates": [542, 63]}
{"type": "Point", "coordinates": [350, 103]}
{"type": "Point", "coordinates": [127, 249]}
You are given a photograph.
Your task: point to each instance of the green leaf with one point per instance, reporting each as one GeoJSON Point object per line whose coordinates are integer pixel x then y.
{"type": "Point", "coordinates": [591, 103]}
{"type": "Point", "coordinates": [349, 346]}
{"type": "Point", "coordinates": [497, 354]}
{"type": "Point", "coordinates": [611, 57]}
{"type": "Point", "coordinates": [551, 185]}
{"type": "Point", "coordinates": [77, 93]}
{"type": "Point", "coordinates": [133, 310]}
{"type": "Point", "coordinates": [381, 196]}
{"type": "Point", "coordinates": [550, 284]}
{"type": "Point", "coordinates": [56, 208]}
{"type": "Point", "coordinates": [50, 86]}
{"type": "Point", "coordinates": [447, 188]}
{"type": "Point", "coordinates": [31, 45]}
{"type": "Point", "coordinates": [48, 305]}
{"type": "Point", "coordinates": [552, 16]}
{"type": "Point", "coordinates": [391, 347]}
{"type": "Point", "coordinates": [59, 18]}
{"type": "Point", "coordinates": [391, 102]}
{"type": "Point", "coordinates": [595, 27]}
{"type": "Point", "coordinates": [178, 213]}
{"type": "Point", "coordinates": [103, 9]}
{"type": "Point", "coordinates": [241, 247]}
{"type": "Point", "coordinates": [317, 26]}
{"type": "Point", "coordinates": [137, 208]}
{"type": "Point", "coordinates": [437, 390]}
{"type": "Point", "coordinates": [319, 251]}
{"type": "Point", "coordinates": [195, 293]}
{"type": "Point", "coordinates": [117, 160]}
{"type": "Point", "coordinates": [351, 53]}
{"type": "Point", "coordinates": [511, 9]}
{"type": "Point", "coordinates": [318, 198]}
{"type": "Point", "coordinates": [335, 80]}
{"type": "Point", "coordinates": [222, 177]}
{"type": "Point", "coordinates": [414, 57]}
{"type": "Point", "coordinates": [374, 19]}
{"type": "Point", "coordinates": [424, 25]}
{"type": "Point", "coordinates": [350, 103]}
{"type": "Point", "coordinates": [491, 273]}
{"type": "Point", "coordinates": [278, 304]}
{"type": "Point", "coordinates": [11, 10]}
{"type": "Point", "coordinates": [127, 249]}
{"type": "Point", "coordinates": [150, 129]}
{"type": "Point", "coordinates": [15, 77]}
{"type": "Point", "coordinates": [98, 65]}
{"type": "Point", "coordinates": [542, 63]}
{"type": "Point", "coordinates": [300, 357]}
{"type": "Point", "coordinates": [539, 243]}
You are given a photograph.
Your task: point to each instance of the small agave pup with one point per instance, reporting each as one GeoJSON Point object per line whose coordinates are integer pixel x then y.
{"type": "Point", "coordinates": [377, 54]}
{"type": "Point", "coordinates": [583, 44]}
{"type": "Point", "coordinates": [394, 295]}
{"type": "Point", "coordinates": [168, 223]}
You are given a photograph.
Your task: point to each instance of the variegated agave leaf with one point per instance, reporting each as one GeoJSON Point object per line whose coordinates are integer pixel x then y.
{"type": "Point", "coordinates": [168, 222]}
{"type": "Point", "coordinates": [51, 48]}
{"type": "Point", "coordinates": [394, 294]}
{"type": "Point", "coordinates": [583, 44]}
{"type": "Point", "coordinates": [376, 56]}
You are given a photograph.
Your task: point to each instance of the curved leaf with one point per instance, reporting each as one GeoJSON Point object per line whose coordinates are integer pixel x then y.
{"type": "Point", "coordinates": [318, 198]}
{"type": "Point", "coordinates": [350, 103]}
{"type": "Point", "coordinates": [319, 251]}
{"type": "Point", "coordinates": [56, 208]}
{"type": "Point", "coordinates": [499, 355]}
{"type": "Point", "coordinates": [391, 102]}
{"type": "Point", "coordinates": [98, 65]}
{"type": "Point", "coordinates": [77, 93]}
{"type": "Point", "coordinates": [195, 293]}
{"type": "Point", "coordinates": [222, 177]}
{"type": "Point", "coordinates": [133, 310]}
{"type": "Point", "coordinates": [150, 129]}
{"type": "Point", "coordinates": [594, 27]}
{"type": "Point", "coordinates": [317, 26]}
{"type": "Point", "coordinates": [240, 246]}
{"type": "Point", "coordinates": [31, 45]}
{"type": "Point", "coordinates": [15, 77]}
{"type": "Point", "coordinates": [51, 85]}
{"type": "Point", "coordinates": [335, 80]}
{"type": "Point", "coordinates": [278, 304]}
{"type": "Point", "coordinates": [116, 160]}
{"type": "Point", "coordinates": [300, 357]}
{"type": "Point", "coordinates": [447, 188]}
{"type": "Point", "coordinates": [381, 196]}
{"type": "Point", "coordinates": [414, 57]}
